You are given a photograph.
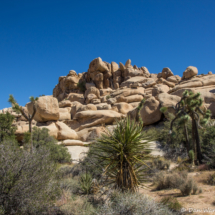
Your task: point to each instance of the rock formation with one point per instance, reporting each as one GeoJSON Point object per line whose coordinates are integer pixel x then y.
{"type": "Point", "coordinates": [84, 105]}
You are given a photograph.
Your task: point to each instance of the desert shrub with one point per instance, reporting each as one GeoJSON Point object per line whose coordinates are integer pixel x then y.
{"type": "Point", "coordinates": [70, 184]}
{"type": "Point", "coordinates": [211, 179]}
{"type": "Point", "coordinates": [28, 182]}
{"type": "Point", "coordinates": [82, 86]}
{"type": "Point", "coordinates": [208, 145]}
{"type": "Point", "coordinates": [7, 131]}
{"type": "Point", "coordinates": [169, 181]}
{"type": "Point", "coordinates": [85, 182]}
{"type": "Point", "coordinates": [132, 203]}
{"type": "Point", "coordinates": [184, 166]}
{"type": "Point", "coordinates": [172, 203]}
{"type": "Point", "coordinates": [41, 138]}
{"type": "Point", "coordinates": [195, 188]}
{"type": "Point", "coordinates": [160, 163]}
{"type": "Point", "coordinates": [90, 163]}
{"type": "Point", "coordinates": [65, 171]}
{"type": "Point", "coordinates": [108, 97]}
{"type": "Point", "coordinates": [174, 144]}
{"type": "Point", "coordinates": [187, 187]}
{"type": "Point", "coordinates": [177, 180]}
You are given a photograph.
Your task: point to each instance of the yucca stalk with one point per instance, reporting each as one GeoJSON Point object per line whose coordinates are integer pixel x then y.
{"type": "Point", "coordinates": [122, 153]}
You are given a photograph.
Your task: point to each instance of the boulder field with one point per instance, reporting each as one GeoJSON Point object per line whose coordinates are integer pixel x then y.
{"type": "Point", "coordinates": [85, 105]}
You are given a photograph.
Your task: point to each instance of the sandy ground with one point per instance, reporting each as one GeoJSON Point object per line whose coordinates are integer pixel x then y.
{"type": "Point", "coordinates": [203, 203]}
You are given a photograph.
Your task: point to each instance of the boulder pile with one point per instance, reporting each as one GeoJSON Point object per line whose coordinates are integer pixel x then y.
{"type": "Point", "coordinates": [84, 105]}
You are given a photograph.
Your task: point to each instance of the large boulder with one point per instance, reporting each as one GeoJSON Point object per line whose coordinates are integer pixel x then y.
{"type": "Point", "coordinates": [149, 83]}
{"type": "Point", "coordinates": [74, 108]}
{"type": "Point", "coordinates": [122, 107]}
{"type": "Point", "coordinates": [190, 72]}
{"type": "Point", "coordinates": [53, 130]}
{"type": "Point", "coordinates": [150, 112]}
{"type": "Point", "coordinates": [114, 67]}
{"type": "Point", "coordinates": [175, 79]}
{"type": "Point", "coordinates": [47, 109]}
{"type": "Point", "coordinates": [160, 88]}
{"type": "Point", "coordinates": [92, 90]}
{"type": "Point", "coordinates": [168, 101]}
{"type": "Point", "coordinates": [86, 119]}
{"type": "Point", "coordinates": [64, 132]}
{"type": "Point", "coordinates": [103, 106]}
{"type": "Point", "coordinates": [65, 103]}
{"type": "Point", "coordinates": [137, 79]}
{"type": "Point", "coordinates": [188, 84]}
{"type": "Point", "coordinates": [90, 97]}
{"type": "Point", "coordinates": [90, 134]}
{"type": "Point", "coordinates": [129, 92]}
{"type": "Point", "coordinates": [65, 113]}
{"type": "Point", "coordinates": [76, 97]}
{"type": "Point", "coordinates": [166, 72]}
{"type": "Point", "coordinates": [98, 65]}
{"type": "Point", "coordinates": [129, 99]}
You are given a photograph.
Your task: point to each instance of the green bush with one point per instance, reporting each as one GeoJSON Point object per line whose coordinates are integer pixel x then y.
{"type": "Point", "coordinates": [41, 138]}
{"type": "Point", "coordinates": [160, 163]}
{"type": "Point", "coordinates": [211, 179]}
{"type": "Point", "coordinates": [178, 180]}
{"type": "Point", "coordinates": [169, 181]}
{"type": "Point", "coordinates": [82, 86]}
{"type": "Point", "coordinates": [172, 203]}
{"type": "Point", "coordinates": [28, 182]}
{"type": "Point", "coordinates": [76, 205]}
{"type": "Point", "coordinates": [187, 187]}
{"type": "Point", "coordinates": [208, 145]}
{"type": "Point", "coordinates": [70, 184]}
{"type": "Point", "coordinates": [85, 182]}
{"type": "Point", "coordinates": [7, 131]}
{"type": "Point", "coordinates": [132, 203]}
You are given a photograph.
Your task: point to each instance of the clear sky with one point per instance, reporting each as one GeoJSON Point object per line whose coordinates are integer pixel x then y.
{"type": "Point", "coordinates": [44, 39]}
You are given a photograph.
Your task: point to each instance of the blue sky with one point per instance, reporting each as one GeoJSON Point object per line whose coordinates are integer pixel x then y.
{"type": "Point", "coordinates": [42, 40]}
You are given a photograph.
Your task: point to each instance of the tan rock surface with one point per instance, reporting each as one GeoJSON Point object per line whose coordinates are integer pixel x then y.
{"type": "Point", "coordinates": [47, 109]}
{"type": "Point", "coordinates": [65, 132]}
{"type": "Point", "coordinates": [93, 118]}
{"type": "Point", "coordinates": [190, 72]}
{"type": "Point", "coordinates": [76, 97]}
{"type": "Point", "coordinates": [150, 112]}
{"type": "Point", "coordinates": [123, 107]}
{"type": "Point", "coordinates": [168, 101]}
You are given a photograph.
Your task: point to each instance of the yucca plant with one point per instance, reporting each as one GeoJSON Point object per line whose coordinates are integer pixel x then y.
{"type": "Point", "coordinates": [122, 154]}
{"type": "Point", "coordinates": [86, 182]}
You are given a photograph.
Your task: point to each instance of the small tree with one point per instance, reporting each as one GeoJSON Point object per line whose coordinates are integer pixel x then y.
{"type": "Point", "coordinates": [122, 154]}
{"type": "Point", "coordinates": [28, 182]}
{"type": "Point", "coordinates": [7, 131]}
{"type": "Point", "coordinates": [189, 108]}
{"type": "Point", "coordinates": [19, 109]}
{"type": "Point", "coordinates": [41, 138]}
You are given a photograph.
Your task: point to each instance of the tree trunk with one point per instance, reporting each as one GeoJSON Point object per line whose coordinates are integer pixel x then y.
{"type": "Point", "coordinates": [198, 146]}
{"type": "Point", "coordinates": [30, 130]}
{"type": "Point", "coordinates": [187, 139]}
{"type": "Point", "coordinates": [194, 138]}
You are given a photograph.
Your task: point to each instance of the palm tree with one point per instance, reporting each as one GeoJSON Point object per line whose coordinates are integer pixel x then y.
{"type": "Point", "coordinates": [122, 153]}
{"type": "Point", "coordinates": [189, 108]}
